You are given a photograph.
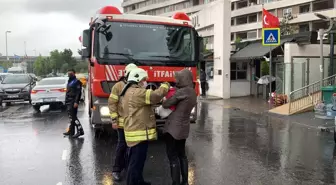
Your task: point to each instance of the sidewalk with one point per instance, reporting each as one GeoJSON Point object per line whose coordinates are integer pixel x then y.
{"type": "Point", "coordinates": [258, 106]}
{"type": "Point", "coordinates": [248, 103]}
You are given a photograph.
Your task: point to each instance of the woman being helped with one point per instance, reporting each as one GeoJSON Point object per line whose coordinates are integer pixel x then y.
{"type": "Point", "coordinates": [178, 124]}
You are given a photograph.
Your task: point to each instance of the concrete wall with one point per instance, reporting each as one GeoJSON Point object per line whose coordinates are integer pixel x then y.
{"type": "Point", "coordinates": [312, 52]}
{"type": "Point", "coordinates": [219, 15]}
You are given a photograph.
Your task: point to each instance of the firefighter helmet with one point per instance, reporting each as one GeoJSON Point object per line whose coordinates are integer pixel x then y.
{"type": "Point", "coordinates": [129, 68]}
{"type": "Point", "coordinates": [136, 75]}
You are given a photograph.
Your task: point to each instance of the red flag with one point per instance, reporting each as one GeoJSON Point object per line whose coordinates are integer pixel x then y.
{"type": "Point", "coordinates": [269, 20]}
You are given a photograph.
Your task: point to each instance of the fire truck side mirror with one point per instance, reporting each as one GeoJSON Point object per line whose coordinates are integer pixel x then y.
{"type": "Point", "coordinates": [85, 53]}
{"type": "Point", "coordinates": [86, 38]}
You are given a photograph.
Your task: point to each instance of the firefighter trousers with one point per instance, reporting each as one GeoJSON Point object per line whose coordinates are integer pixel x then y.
{"type": "Point", "coordinates": [120, 155]}
{"type": "Point", "coordinates": [136, 161]}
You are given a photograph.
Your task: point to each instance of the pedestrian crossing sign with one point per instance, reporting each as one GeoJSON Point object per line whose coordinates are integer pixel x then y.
{"type": "Point", "coordinates": [271, 36]}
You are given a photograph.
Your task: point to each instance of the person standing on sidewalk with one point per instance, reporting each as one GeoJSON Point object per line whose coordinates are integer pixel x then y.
{"type": "Point", "coordinates": [203, 82]}
{"type": "Point", "coordinates": [178, 124]}
{"type": "Point", "coordinates": [139, 122]}
{"type": "Point", "coordinates": [72, 98]}
{"type": "Point", "coordinates": [117, 120]}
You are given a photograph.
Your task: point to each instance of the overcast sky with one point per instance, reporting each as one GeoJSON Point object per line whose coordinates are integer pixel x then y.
{"type": "Point", "coordinates": [45, 25]}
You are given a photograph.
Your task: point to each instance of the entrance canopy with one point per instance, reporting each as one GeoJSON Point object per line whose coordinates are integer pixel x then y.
{"type": "Point", "coordinates": [256, 50]}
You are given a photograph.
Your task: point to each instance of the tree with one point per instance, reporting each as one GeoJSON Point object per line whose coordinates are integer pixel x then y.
{"type": "Point", "coordinates": [67, 58]}
{"type": "Point", "coordinates": [264, 68]}
{"type": "Point", "coordinates": [238, 40]}
{"type": "Point", "coordinates": [64, 68]}
{"type": "Point", "coordinates": [81, 67]}
{"type": "Point", "coordinates": [56, 60]}
{"type": "Point", "coordinates": [285, 27]}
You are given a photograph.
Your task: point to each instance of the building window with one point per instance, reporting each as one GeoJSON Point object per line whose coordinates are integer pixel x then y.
{"type": "Point", "coordinates": [232, 6]}
{"type": "Point", "coordinates": [238, 70]}
{"type": "Point", "coordinates": [232, 36]}
{"type": "Point", "coordinates": [251, 34]}
{"type": "Point", "coordinates": [304, 27]}
{"type": "Point", "coordinates": [232, 22]}
{"type": "Point", "coordinates": [286, 12]}
{"type": "Point", "coordinates": [268, 1]}
{"type": "Point", "coordinates": [304, 8]}
{"type": "Point", "coordinates": [252, 18]}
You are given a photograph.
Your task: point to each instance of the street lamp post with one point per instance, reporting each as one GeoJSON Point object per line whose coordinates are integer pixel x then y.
{"type": "Point", "coordinates": [6, 44]}
{"type": "Point", "coordinates": [321, 33]}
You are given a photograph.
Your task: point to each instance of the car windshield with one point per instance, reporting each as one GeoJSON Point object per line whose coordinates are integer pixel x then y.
{"type": "Point", "coordinates": [52, 82]}
{"type": "Point", "coordinates": [148, 42]}
{"type": "Point", "coordinates": [16, 79]}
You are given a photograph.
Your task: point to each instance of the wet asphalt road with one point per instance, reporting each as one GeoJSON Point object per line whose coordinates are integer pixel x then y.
{"type": "Point", "coordinates": [226, 146]}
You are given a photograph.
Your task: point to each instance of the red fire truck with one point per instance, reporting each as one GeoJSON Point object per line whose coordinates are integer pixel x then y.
{"type": "Point", "coordinates": [160, 45]}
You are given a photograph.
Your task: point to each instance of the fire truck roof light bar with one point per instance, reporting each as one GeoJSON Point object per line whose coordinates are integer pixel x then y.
{"type": "Point", "coordinates": [109, 10]}
{"type": "Point", "coordinates": [114, 10]}
{"type": "Point", "coordinates": [181, 16]}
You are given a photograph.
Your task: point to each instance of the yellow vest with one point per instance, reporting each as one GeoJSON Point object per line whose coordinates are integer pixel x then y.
{"type": "Point", "coordinates": [140, 122]}
{"type": "Point", "coordinates": [114, 103]}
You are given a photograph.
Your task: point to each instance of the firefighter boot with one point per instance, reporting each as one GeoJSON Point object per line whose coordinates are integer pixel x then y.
{"type": "Point", "coordinates": [184, 171]}
{"type": "Point", "coordinates": [70, 130]}
{"type": "Point", "coordinates": [175, 173]}
{"type": "Point", "coordinates": [80, 130]}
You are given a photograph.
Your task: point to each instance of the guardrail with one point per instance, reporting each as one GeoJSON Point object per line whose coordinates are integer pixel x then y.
{"type": "Point", "coordinates": [298, 99]}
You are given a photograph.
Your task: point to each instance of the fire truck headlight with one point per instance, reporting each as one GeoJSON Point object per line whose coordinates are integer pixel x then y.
{"type": "Point", "coordinates": [104, 111]}
{"type": "Point", "coordinates": [193, 110]}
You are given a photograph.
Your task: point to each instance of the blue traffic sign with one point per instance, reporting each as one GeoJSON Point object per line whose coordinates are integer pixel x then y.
{"type": "Point", "coordinates": [271, 36]}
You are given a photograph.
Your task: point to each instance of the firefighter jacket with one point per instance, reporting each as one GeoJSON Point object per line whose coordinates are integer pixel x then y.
{"type": "Point", "coordinates": [74, 91]}
{"type": "Point", "coordinates": [140, 122]}
{"type": "Point", "coordinates": [114, 104]}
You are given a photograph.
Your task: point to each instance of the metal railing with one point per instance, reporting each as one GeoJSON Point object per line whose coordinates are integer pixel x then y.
{"type": "Point", "coordinates": [298, 99]}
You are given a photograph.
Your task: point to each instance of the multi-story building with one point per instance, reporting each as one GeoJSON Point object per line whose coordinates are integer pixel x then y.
{"type": "Point", "coordinates": [246, 15]}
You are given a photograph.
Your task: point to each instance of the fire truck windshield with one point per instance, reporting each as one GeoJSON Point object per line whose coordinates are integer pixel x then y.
{"type": "Point", "coordinates": [149, 42]}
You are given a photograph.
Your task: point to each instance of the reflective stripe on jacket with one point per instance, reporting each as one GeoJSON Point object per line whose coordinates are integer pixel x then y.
{"type": "Point", "coordinates": [140, 122]}
{"type": "Point", "coordinates": [114, 104]}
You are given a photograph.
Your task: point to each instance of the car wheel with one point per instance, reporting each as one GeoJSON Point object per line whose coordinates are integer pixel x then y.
{"type": "Point", "coordinates": [37, 107]}
{"type": "Point", "coordinates": [8, 103]}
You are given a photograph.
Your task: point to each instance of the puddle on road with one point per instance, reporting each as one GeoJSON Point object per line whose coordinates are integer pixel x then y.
{"type": "Point", "coordinates": [259, 149]}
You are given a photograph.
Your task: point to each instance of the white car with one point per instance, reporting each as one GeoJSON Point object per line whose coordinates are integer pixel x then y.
{"type": "Point", "coordinates": [51, 91]}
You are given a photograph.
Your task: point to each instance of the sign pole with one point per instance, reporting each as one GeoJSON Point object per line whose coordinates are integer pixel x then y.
{"type": "Point", "coordinates": [270, 37]}
{"type": "Point", "coordinates": [270, 74]}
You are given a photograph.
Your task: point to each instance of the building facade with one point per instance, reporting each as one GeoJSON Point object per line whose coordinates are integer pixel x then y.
{"type": "Point", "coordinates": [246, 15]}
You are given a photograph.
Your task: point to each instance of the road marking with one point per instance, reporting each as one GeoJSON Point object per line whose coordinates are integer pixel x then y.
{"type": "Point", "coordinates": [64, 155]}
{"type": "Point", "coordinates": [12, 109]}
{"type": "Point", "coordinates": [59, 183]}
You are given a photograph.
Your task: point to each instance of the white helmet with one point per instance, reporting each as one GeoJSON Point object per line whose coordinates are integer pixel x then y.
{"type": "Point", "coordinates": [137, 75]}
{"type": "Point", "coordinates": [129, 68]}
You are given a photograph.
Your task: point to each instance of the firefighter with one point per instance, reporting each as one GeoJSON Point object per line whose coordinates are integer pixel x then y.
{"type": "Point", "coordinates": [139, 122]}
{"type": "Point", "coordinates": [72, 98]}
{"type": "Point", "coordinates": [118, 123]}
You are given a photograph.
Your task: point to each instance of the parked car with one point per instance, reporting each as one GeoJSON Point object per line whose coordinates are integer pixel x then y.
{"type": "Point", "coordinates": [16, 88]}
{"type": "Point", "coordinates": [51, 91]}
{"type": "Point", "coordinates": [3, 75]}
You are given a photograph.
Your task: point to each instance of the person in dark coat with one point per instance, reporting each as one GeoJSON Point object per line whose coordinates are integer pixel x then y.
{"type": "Point", "coordinates": [72, 98]}
{"type": "Point", "coordinates": [178, 124]}
{"type": "Point", "coordinates": [203, 82]}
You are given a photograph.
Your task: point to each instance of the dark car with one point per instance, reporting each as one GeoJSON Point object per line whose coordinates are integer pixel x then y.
{"type": "Point", "coordinates": [16, 88]}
